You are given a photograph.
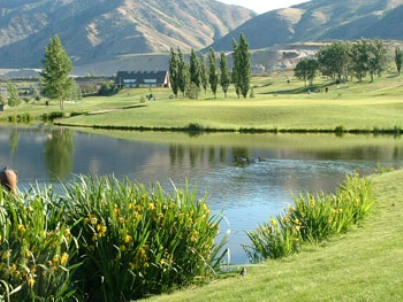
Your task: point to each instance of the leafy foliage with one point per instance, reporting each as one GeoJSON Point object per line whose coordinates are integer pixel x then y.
{"type": "Point", "coordinates": [56, 82]}
{"type": "Point", "coordinates": [314, 218]}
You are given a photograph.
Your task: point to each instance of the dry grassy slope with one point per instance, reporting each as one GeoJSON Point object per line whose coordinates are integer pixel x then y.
{"type": "Point", "coordinates": [320, 20]}
{"type": "Point", "coordinates": [95, 30]}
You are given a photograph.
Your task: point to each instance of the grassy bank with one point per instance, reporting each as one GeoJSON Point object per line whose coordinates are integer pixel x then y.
{"type": "Point", "coordinates": [277, 106]}
{"type": "Point", "coordinates": [364, 265]}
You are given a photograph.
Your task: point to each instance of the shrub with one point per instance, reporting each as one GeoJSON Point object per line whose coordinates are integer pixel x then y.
{"type": "Point", "coordinates": [36, 249]}
{"type": "Point", "coordinates": [314, 218]}
{"type": "Point", "coordinates": [52, 115]}
{"type": "Point", "coordinates": [135, 242]}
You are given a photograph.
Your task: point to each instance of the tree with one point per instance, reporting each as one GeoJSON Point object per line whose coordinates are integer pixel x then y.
{"type": "Point", "coordinates": [203, 72]}
{"type": "Point", "coordinates": [13, 98]}
{"type": "Point", "coordinates": [242, 65]}
{"type": "Point", "coordinates": [56, 82]}
{"type": "Point", "coordinates": [194, 72]}
{"type": "Point", "coordinates": [225, 74]}
{"type": "Point", "coordinates": [174, 72]}
{"type": "Point", "coordinates": [213, 75]}
{"type": "Point", "coordinates": [306, 70]}
{"type": "Point", "coordinates": [334, 60]}
{"type": "Point", "coordinates": [183, 72]}
{"type": "Point", "coordinates": [398, 59]}
{"type": "Point", "coordinates": [359, 59]}
{"type": "Point", "coordinates": [377, 58]}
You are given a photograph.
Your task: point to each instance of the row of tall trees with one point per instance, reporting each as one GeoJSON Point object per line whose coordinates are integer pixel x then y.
{"type": "Point", "coordinates": [190, 78]}
{"type": "Point", "coordinates": [341, 60]}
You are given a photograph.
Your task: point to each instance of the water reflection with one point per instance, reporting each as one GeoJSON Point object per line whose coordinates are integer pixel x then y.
{"type": "Point", "coordinates": [247, 192]}
{"type": "Point", "coordinates": [59, 149]}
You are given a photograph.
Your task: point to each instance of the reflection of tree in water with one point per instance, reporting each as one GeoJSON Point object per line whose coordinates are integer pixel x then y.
{"type": "Point", "coordinates": [59, 150]}
{"type": "Point", "coordinates": [14, 140]}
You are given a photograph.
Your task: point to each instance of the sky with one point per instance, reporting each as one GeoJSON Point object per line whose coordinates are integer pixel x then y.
{"type": "Point", "coordinates": [262, 6]}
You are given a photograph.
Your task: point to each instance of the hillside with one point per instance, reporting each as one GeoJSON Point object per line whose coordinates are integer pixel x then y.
{"type": "Point", "coordinates": [98, 30]}
{"type": "Point", "coordinates": [322, 20]}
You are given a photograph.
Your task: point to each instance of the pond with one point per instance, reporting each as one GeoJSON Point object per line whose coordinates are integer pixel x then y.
{"type": "Point", "coordinates": [247, 193]}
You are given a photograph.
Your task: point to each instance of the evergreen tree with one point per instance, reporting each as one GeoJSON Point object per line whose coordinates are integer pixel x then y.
{"type": "Point", "coordinates": [242, 63]}
{"type": "Point", "coordinates": [194, 71]}
{"type": "Point", "coordinates": [174, 72]}
{"type": "Point", "coordinates": [203, 72]}
{"type": "Point", "coordinates": [398, 59]}
{"type": "Point", "coordinates": [213, 74]}
{"type": "Point", "coordinates": [13, 98]}
{"type": "Point", "coordinates": [56, 82]}
{"type": "Point", "coordinates": [225, 74]}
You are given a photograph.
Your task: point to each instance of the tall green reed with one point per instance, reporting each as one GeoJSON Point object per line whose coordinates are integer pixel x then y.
{"type": "Point", "coordinates": [313, 218]}
{"type": "Point", "coordinates": [36, 249]}
{"type": "Point", "coordinates": [136, 241]}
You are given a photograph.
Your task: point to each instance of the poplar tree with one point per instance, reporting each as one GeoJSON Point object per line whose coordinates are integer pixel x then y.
{"type": "Point", "coordinates": [398, 59]}
{"type": "Point", "coordinates": [174, 72]}
{"type": "Point", "coordinates": [203, 72]}
{"type": "Point", "coordinates": [213, 75]}
{"type": "Point", "coordinates": [242, 64]}
{"type": "Point", "coordinates": [194, 72]}
{"type": "Point", "coordinates": [183, 72]}
{"type": "Point", "coordinates": [55, 77]}
{"type": "Point", "coordinates": [225, 78]}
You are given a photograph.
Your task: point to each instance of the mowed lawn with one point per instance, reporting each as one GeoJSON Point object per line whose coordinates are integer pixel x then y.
{"type": "Point", "coordinates": [276, 105]}
{"type": "Point", "coordinates": [365, 264]}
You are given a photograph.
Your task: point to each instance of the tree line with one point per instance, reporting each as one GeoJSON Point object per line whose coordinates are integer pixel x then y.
{"type": "Point", "coordinates": [343, 60]}
{"type": "Point", "coordinates": [200, 72]}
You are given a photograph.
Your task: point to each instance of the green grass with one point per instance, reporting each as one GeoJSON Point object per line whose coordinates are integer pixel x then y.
{"type": "Point", "coordinates": [363, 265]}
{"type": "Point", "coordinates": [278, 106]}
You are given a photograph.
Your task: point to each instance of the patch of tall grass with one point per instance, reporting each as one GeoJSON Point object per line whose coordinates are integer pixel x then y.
{"type": "Point", "coordinates": [313, 218]}
{"type": "Point", "coordinates": [104, 240]}
{"type": "Point", "coordinates": [36, 249]}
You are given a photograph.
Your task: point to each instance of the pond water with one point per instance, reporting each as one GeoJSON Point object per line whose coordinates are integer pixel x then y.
{"type": "Point", "coordinates": [247, 193]}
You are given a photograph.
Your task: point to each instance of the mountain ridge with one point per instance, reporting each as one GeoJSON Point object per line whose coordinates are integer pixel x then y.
{"type": "Point", "coordinates": [94, 30]}
{"type": "Point", "coordinates": [321, 20]}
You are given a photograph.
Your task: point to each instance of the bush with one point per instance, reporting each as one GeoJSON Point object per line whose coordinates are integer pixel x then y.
{"type": "Point", "coordinates": [135, 242]}
{"type": "Point", "coordinates": [103, 240]}
{"type": "Point", "coordinates": [52, 115]}
{"type": "Point", "coordinates": [36, 249]}
{"type": "Point", "coordinates": [314, 218]}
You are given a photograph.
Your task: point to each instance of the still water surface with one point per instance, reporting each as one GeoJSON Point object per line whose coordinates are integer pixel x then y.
{"type": "Point", "coordinates": [246, 193]}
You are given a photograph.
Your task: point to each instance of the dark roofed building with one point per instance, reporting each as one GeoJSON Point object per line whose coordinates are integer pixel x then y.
{"type": "Point", "coordinates": [127, 79]}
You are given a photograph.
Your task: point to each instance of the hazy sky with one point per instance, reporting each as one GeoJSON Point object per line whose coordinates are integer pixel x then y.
{"type": "Point", "coordinates": [262, 6]}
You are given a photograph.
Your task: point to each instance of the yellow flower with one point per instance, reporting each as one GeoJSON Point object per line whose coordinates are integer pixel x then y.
{"type": "Point", "coordinates": [21, 228]}
{"type": "Point", "coordinates": [65, 259]}
{"type": "Point", "coordinates": [128, 239]}
{"type": "Point", "coordinates": [291, 208]}
{"type": "Point", "coordinates": [95, 237]}
{"type": "Point", "coordinates": [123, 248]}
{"type": "Point", "coordinates": [56, 259]}
{"type": "Point", "coordinates": [297, 222]}
{"type": "Point", "coordinates": [151, 206]}
{"type": "Point", "coordinates": [312, 203]}
{"type": "Point", "coordinates": [131, 206]}
{"type": "Point", "coordinates": [98, 227]}
{"type": "Point", "coordinates": [273, 222]}
{"type": "Point", "coordinates": [67, 233]}
{"type": "Point", "coordinates": [31, 282]}
{"type": "Point", "coordinates": [86, 220]}
{"type": "Point", "coordinates": [94, 220]}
